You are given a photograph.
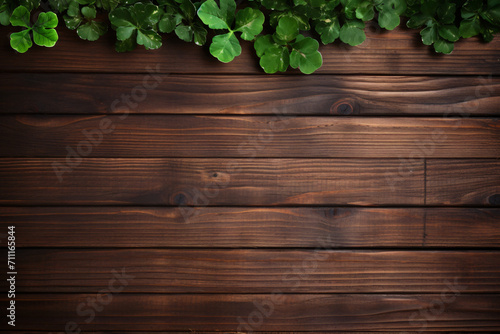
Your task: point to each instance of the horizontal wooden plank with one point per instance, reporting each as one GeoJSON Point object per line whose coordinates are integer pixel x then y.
{"type": "Point", "coordinates": [209, 182]}
{"type": "Point", "coordinates": [220, 227]}
{"type": "Point", "coordinates": [256, 271]}
{"type": "Point", "coordinates": [334, 227]}
{"type": "Point", "coordinates": [232, 94]}
{"type": "Point", "coordinates": [396, 52]}
{"type": "Point", "coordinates": [462, 227]}
{"type": "Point", "coordinates": [247, 137]}
{"type": "Point", "coordinates": [463, 182]}
{"type": "Point", "coordinates": [231, 312]}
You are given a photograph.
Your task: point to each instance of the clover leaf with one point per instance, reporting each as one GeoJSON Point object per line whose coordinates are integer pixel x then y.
{"type": "Point", "coordinates": [83, 20]}
{"type": "Point", "coordinates": [249, 22]}
{"type": "Point", "coordinates": [136, 24]}
{"type": "Point", "coordinates": [352, 32]}
{"type": "Point", "coordinates": [180, 16]}
{"type": "Point", "coordinates": [43, 30]}
{"type": "Point", "coordinates": [286, 47]}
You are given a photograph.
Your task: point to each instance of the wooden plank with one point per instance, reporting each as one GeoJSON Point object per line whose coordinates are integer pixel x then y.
{"type": "Point", "coordinates": [220, 227]}
{"type": "Point", "coordinates": [326, 95]}
{"type": "Point", "coordinates": [336, 227]}
{"type": "Point", "coordinates": [123, 312]}
{"type": "Point", "coordinates": [248, 137]}
{"type": "Point", "coordinates": [396, 52]}
{"type": "Point", "coordinates": [463, 182]}
{"type": "Point", "coordinates": [462, 227]}
{"type": "Point", "coordinates": [208, 182]}
{"type": "Point", "coordinates": [256, 271]}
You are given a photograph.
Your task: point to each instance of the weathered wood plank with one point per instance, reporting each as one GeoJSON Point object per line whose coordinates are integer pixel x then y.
{"type": "Point", "coordinates": [336, 227]}
{"type": "Point", "coordinates": [396, 52]}
{"type": "Point", "coordinates": [221, 227]}
{"type": "Point", "coordinates": [462, 227]}
{"type": "Point", "coordinates": [233, 94]}
{"type": "Point", "coordinates": [256, 271]}
{"type": "Point", "coordinates": [247, 137]}
{"type": "Point", "coordinates": [208, 182]}
{"type": "Point", "coordinates": [293, 312]}
{"type": "Point", "coordinates": [463, 182]}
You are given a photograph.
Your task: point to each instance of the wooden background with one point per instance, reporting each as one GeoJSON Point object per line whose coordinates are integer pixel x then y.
{"type": "Point", "coordinates": [365, 197]}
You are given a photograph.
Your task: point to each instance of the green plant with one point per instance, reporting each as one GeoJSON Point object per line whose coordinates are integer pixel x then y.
{"type": "Point", "coordinates": [285, 33]}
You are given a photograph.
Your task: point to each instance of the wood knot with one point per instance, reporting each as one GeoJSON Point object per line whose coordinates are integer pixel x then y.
{"type": "Point", "coordinates": [494, 200]}
{"type": "Point", "coordinates": [180, 199]}
{"type": "Point", "coordinates": [332, 212]}
{"type": "Point", "coordinates": [343, 107]}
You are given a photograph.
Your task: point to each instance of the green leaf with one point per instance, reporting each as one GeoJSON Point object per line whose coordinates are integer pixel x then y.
{"type": "Point", "coordinates": [128, 44]}
{"type": "Point", "coordinates": [185, 33]}
{"type": "Point", "coordinates": [262, 44]}
{"type": "Point", "coordinates": [92, 30]}
{"type": "Point", "coordinates": [89, 12]}
{"type": "Point", "coordinates": [492, 15]}
{"type": "Point", "coordinates": [429, 35]}
{"type": "Point", "coordinates": [20, 17]}
{"type": "Point", "coordinates": [188, 9]}
{"type": "Point", "coordinates": [73, 9]}
{"type": "Point", "coordinates": [149, 38]}
{"type": "Point", "coordinates": [225, 47]}
{"type": "Point", "coordinates": [352, 33]}
{"type": "Point", "coordinates": [215, 17]}
{"type": "Point", "coordinates": [43, 32]}
{"type": "Point", "coordinates": [30, 4]}
{"type": "Point", "coordinates": [124, 32]}
{"type": "Point", "coordinates": [388, 20]}
{"type": "Point", "coordinates": [276, 58]}
{"type": "Point", "coordinates": [146, 15]}
{"type": "Point", "coordinates": [443, 46]}
{"type": "Point", "coordinates": [416, 21]}
{"type": "Point", "coordinates": [21, 41]}
{"type": "Point", "coordinates": [365, 11]}
{"type": "Point", "coordinates": [446, 12]}
{"type": "Point", "coordinates": [72, 22]}
{"type": "Point", "coordinates": [305, 55]}
{"type": "Point", "coordinates": [287, 29]}
{"type": "Point", "coordinates": [199, 34]}
{"type": "Point", "coordinates": [470, 27]}
{"type": "Point", "coordinates": [167, 23]}
{"type": "Point", "coordinates": [329, 30]}
{"type": "Point", "coordinates": [121, 16]}
{"type": "Point", "coordinates": [275, 5]}
{"type": "Point", "coordinates": [249, 22]}
{"type": "Point", "coordinates": [449, 32]}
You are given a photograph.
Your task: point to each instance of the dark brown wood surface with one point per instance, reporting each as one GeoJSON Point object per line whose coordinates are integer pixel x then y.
{"type": "Point", "coordinates": [277, 95]}
{"type": "Point", "coordinates": [367, 193]}
{"type": "Point", "coordinates": [331, 227]}
{"type": "Point", "coordinates": [209, 182]}
{"type": "Point", "coordinates": [248, 137]}
{"type": "Point", "coordinates": [291, 312]}
{"type": "Point", "coordinates": [232, 271]}
{"type": "Point", "coordinates": [391, 52]}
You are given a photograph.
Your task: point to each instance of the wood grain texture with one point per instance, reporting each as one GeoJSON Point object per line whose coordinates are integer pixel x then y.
{"type": "Point", "coordinates": [302, 312]}
{"type": "Point", "coordinates": [257, 271]}
{"type": "Point", "coordinates": [222, 227]}
{"type": "Point", "coordinates": [335, 227]}
{"type": "Point", "coordinates": [326, 95]}
{"type": "Point", "coordinates": [248, 137]}
{"type": "Point", "coordinates": [463, 182]}
{"type": "Point", "coordinates": [209, 182]}
{"type": "Point", "coordinates": [396, 52]}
